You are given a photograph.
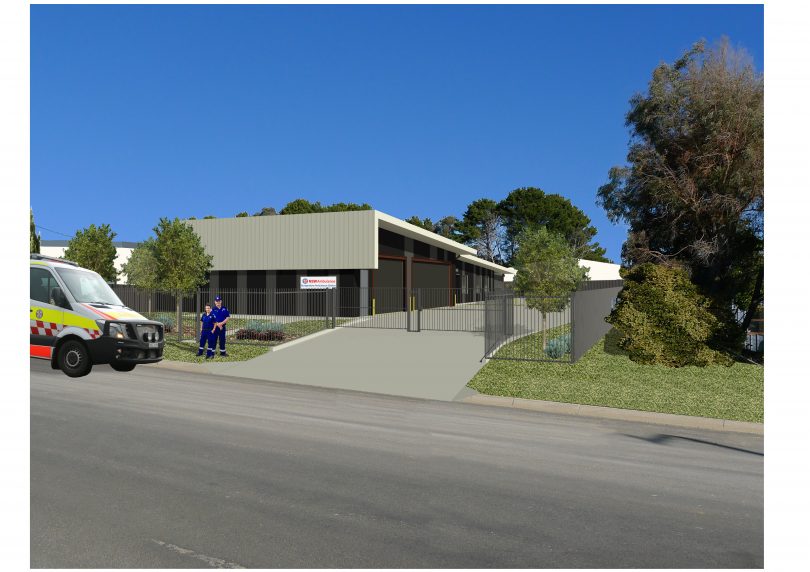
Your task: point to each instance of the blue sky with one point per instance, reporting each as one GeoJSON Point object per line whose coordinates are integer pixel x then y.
{"type": "Point", "coordinates": [139, 112]}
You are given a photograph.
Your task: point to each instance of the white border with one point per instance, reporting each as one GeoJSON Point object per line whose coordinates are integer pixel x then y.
{"type": "Point", "coordinates": [787, 126]}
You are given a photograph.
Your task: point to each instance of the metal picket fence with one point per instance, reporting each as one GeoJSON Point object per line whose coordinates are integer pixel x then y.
{"type": "Point", "coordinates": [529, 327]}
{"type": "Point", "coordinates": [274, 316]}
{"type": "Point", "coordinates": [514, 325]}
{"type": "Point", "coordinates": [257, 316]}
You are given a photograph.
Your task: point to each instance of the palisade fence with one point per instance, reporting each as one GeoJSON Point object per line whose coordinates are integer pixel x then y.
{"type": "Point", "coordinates": [279, 315]}
{"type": "Point", "coordinates": [528, 327]}
{"type": "Point", "coordinates": [514, 325]}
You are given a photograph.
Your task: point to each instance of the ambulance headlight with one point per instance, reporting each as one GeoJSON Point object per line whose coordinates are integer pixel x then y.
{"type": "Point", "coordinates": [117, 331]}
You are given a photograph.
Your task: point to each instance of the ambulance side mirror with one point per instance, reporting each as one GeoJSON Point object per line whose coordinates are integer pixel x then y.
{"type": "Point", "coordinates": [58, 298]}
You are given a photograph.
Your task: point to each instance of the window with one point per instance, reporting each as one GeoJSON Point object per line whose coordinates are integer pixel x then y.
{"type": "Point", "coordinates": [88, 287]}
{"type": "Point", "coordinates": [41, 283]}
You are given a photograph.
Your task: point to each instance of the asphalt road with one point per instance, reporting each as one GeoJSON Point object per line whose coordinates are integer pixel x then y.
{"type": "Point", "coordinates": [158, 468]}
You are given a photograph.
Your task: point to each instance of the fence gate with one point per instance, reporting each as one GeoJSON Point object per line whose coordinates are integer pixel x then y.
{"type": "Point", "coordinates": [385, 307]}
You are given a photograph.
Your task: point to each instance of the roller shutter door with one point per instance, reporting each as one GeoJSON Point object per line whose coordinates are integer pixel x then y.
{"type": "Point", "coordinates": [389, 286]}
{"type": "Point", "coordinates": [433, 280]}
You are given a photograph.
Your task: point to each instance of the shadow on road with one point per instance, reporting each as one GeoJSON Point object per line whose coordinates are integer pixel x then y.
{"type": "Point", "coordinates": [662, 439]}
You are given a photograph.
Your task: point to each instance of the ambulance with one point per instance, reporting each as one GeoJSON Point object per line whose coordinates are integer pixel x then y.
{"type": "Point", "coordinates": [77, 321]}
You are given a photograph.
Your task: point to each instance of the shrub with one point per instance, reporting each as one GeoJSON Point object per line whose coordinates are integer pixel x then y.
{"type": "Point", "coordinates": [559, 346]}
{"type": "Point", "coordinates": [261, 331]}
{"type": "Point", "coordinates": [259, 326]}
{"type": "Point", "coordinates": [663, 319]}
{"type": "Point", "coordinates": [167, 320]}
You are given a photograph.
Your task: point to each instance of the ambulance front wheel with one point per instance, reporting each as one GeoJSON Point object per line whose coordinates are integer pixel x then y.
{"type": "Point", "coordinates": [74, 359]}
{"type": "Point", "coordinates": [118, 366]}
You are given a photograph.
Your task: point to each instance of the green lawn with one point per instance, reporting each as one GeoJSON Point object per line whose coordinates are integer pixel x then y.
{"type": "Point", "coordinates": [241, 350]}
{"type": "Point", "coordinates": [606, 376]}
{"type": "Point", "coordinates": [187, 351]}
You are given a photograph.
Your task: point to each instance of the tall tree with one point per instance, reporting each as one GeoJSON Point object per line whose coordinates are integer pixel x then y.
{"type": "Point", "coordinates": [529, 207]}
{"type": "Point", "coordinates": [693, 190]}
{"type": "Point", "coordinates": [482, 228]}
{"type": "Point", "coordinates": [548, 271]}
{"type": "Point", "coordinates": [34, 237]}
{"type": "Point", "coordinates": [93, 248]}
{"type": "Point", "coordinates": [182, 262]}
{"type": "Point", "coordinates": [266, 211]}
{"type": "Point", "coordinates": [141, 269]}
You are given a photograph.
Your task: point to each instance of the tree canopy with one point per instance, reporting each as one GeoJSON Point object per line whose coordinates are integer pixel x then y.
{"type": "Point", "coordinates": [266, 211]}
{"type": "Point", "coordinates": [180, 258]}
{"type": "Point", "coordinates": [34, 235]}
{"type": "Point", "coordinates": [481, 227]}
{"type": "Point", "coordinates": [425, 223]}
{"type": "Point", "coordinates": [547, 267]}
{"type": "Point", "coordinates": [548, 270]}
{"type": "Point", "coordinates": [303, 206]}
{"type": "Point", "coordinates": [529, 207]}
{"type": "Point", "coordinates": [692, 192]}
{"type": "Point", "coordinates": [141, 269]}
{"type": "Point", "coordinates": [93, 248]}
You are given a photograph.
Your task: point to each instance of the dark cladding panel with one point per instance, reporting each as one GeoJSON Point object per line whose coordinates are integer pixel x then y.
{"type": "Point", "coordinates": [390, 243]}
{"type": "Point", "coordinates": [421, 249]}
{"type": "Point", "coordinates": [349, 278]}
{"type": "Point", "coordinates": [256, 279]}
{"type": "Point", "coordinates": [286, 280]}
{"type": "Point", "coordinates": [227, 280]}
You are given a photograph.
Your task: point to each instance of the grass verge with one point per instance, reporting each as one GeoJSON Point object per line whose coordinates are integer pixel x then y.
{"type": "Point", "coordinates": [187, 351]}
{"type": "Point", "coordinates": [605, 376]}
{"type": "Point", "coordinates": [241, 350]}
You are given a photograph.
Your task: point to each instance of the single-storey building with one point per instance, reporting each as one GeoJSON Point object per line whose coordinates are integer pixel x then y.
{"type": "Point", "coordinates": [363, 249]}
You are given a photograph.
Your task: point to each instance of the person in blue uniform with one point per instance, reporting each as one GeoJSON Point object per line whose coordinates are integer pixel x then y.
{"type": "Point", "coordinates": [207, 333]}
{"type": "Point", "coordinates": [221, 315]}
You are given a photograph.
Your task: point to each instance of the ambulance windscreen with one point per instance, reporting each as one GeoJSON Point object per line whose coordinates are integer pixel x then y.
{"type": "Point", "coordinates": [88, 287]}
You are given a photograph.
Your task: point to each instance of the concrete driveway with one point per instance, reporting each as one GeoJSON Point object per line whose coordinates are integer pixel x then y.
{"type": "Point", "coordinates": [427, 364]}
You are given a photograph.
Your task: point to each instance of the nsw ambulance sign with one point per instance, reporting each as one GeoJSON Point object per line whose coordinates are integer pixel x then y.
{"type": "Point", "coordinates": [318, 282]}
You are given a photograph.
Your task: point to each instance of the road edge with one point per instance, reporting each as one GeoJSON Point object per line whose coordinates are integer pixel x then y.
{"type": "Point", "coordinates": [613, 413]}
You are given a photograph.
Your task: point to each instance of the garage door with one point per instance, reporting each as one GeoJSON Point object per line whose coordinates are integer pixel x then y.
{"type": "Point", "coordinates": [388, 290]}
{"type": "Point", "coordinates": [433, 281]}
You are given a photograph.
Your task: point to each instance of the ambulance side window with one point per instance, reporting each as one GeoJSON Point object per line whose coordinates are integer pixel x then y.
{"type": "Point", "coordinates": [41, 283]}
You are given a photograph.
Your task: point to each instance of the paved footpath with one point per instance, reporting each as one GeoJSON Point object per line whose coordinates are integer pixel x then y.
{"type": "Point", "coordinates": [159, 468]}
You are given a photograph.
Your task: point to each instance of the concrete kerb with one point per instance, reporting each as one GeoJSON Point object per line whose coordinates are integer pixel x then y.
{"type": "Point", "coordinates": [685, 421]}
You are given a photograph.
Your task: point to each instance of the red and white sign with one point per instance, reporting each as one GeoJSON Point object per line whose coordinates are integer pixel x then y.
{"type": "Point", "coordinates": [318, 282]}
